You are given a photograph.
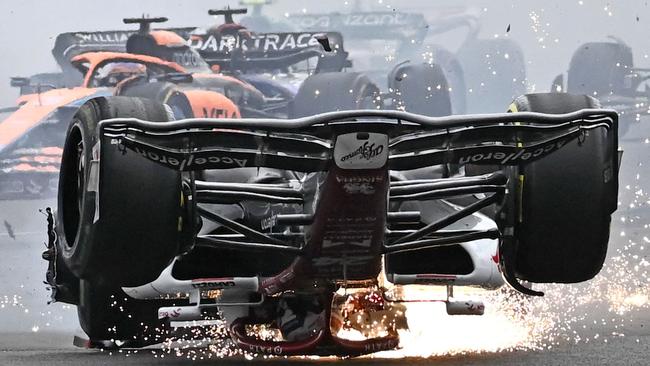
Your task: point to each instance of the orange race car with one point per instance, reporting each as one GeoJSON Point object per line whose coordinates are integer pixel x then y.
{"type": "Point", "coordinates": [32, 132]}
{"type": "Point", "coordinates": [225, 71]}
{"type": "Point", "coordinates": [260, 72]}
{"type": "Point", "coordinates": [153, 64]}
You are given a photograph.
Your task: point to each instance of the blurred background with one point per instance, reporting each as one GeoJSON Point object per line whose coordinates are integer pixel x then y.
{"type": "Point", "coordinates": [549, 31]}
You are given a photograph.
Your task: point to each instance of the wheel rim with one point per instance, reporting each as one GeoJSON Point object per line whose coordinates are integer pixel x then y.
{"type": "Point", "coordinates": [80, 174]}
{"type": "Point", "coordinates": [72, 185]}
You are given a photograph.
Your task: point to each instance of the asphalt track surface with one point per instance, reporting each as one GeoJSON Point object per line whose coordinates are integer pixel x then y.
{"type": "Point", "coordinates": [612, 332]}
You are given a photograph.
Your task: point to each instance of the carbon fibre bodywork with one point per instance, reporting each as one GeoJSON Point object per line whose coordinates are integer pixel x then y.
{"type": "Point", "coordinates": [416, 141]}
{"type": "Point", "coordinates": [351, 210]}
{"type": "Point", "coordinates": [327, 212]}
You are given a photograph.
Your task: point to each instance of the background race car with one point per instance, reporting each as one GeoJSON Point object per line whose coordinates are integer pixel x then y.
{"type": "Point", "coordinates": [290, 74]}
{"type": "Point", "coordinates": [260, 72]}
{"type": "Point", "coordinates": [91, 67]}
{"type": "Point", "coordinates": [325, 80]}
{"type": "Point", "coordinates": [479, 76]}
{"type": "Point", "coordinates": [606, 71]}
{"type": "Point", "coordinates": [33, 131]}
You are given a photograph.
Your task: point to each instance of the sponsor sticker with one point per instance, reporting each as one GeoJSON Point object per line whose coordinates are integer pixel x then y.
{"type": "Point", "coordinates": [359, 188]}
{"type": "Point", "coordinates": [361, 150]}
{"type": "Point", "coordinates": [215, 112]}
{"type": "Point", "coordinates": [116, 37]}
{"type": "Point", "coordinates": [191, 161]}
{"type": "Point", "coordinates": [359, 179]}
{"type": "Point", "coordinates": [169, 313]}
{"type": "Point", "coordinates": [381, 345]}
{"type": "Point", "coordinates": [434, 278]}
{"type": "Point", "coordinates": [352, 20]}
{"type": "Point", "coordinates": [187, 58]}
{"type": "Point", "coordinates": [273, 350]}
{"type": "Point", "coordinates": [511, 158]}
{"type": "Point", "coordinates": [93, 179]}
{"type": "Point", "coordinates": [257, 42]}
{"type": "Point", "coordinates": [214, 283]}
{"type": "Point", "coordinates": [350, 261]}
{"type": "Point", "coordinates": [269, 222]}
{"type": "Point", "coordinates": [363, 243]}
{"type": "Point", "coordinates": [375, 19]}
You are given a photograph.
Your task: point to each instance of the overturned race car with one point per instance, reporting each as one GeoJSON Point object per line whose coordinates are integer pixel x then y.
{"type": "Point", "coordinates": [301, 225]}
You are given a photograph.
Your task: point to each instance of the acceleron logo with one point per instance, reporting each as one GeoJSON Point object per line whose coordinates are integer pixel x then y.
{"type": "Point", "coordinates": [512, 158]}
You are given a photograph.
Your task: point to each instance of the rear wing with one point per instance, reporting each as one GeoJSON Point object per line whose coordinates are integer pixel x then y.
{"type": "Point", "coordinates": [71, 44]}
{"type": "Point", "coordinates": [270, 51]}
{"type": "Point", "coordinates": [259, 51]}
{"type": "Point", "coordinates": [407, 141]}
{"type": "Point", "coordinates": [366, 25]}
{"type": "Point", "coordinates": [407, 27]}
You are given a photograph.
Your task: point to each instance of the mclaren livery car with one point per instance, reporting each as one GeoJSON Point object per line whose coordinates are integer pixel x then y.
{"type": "Point", "coordinates": [31, 139]}
{"type": "Point", "coordinates": [606, 71]}
{"type": "Point", "coordinates": [32, 133]}
{"type": "Point", "coordinates": [90, 61]}
{"type": "Point", "coordinates": [289, 74]}
{"type": "Point", "coordinates": [479, 77]}
{"type": "Point", "coordinates": [310, 226]}
{"type": "Point", "coordinates": [260, 72]}
{"type": "Point", "coordinates": [71, 44]}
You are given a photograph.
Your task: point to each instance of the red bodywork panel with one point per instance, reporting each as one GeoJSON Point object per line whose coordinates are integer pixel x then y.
{"type": "Point", "coordinates": [348, 229]}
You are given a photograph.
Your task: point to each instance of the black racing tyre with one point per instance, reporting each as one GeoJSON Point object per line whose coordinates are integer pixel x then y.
{"type": "Point", "coordinates": [161, 92]}
{"type": "Point", "coordinates": [451, 67]}
{"type": "Point", "coordinates": [335, 91]}
{"type": "Point", "coordinates": [108, 314]}
{"type": "Point", "coordinates": [565, 200]}
{"type": "Point", "coordinates": [557, 86]}
{"type": "Point", "coordinates": [420, 88]}
{"type": "Point", "coordinates": [455, 78]}
{"type": "Point", "coordinates": [599, 69]}
{"type": "Point", "coordinates": [133, 233]}
{"type": "Point", "coordinates": [495, 73]}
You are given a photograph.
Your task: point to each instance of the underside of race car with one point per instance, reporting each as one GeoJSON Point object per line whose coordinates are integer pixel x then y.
{"type": "Point", "coordinates": [301, 226]}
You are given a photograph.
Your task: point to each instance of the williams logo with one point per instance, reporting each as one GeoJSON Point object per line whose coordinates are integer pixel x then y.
{"type": "Point", "coordinates": [366, 151]}
{"type": "Point", "coordinates": [103, 37]}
